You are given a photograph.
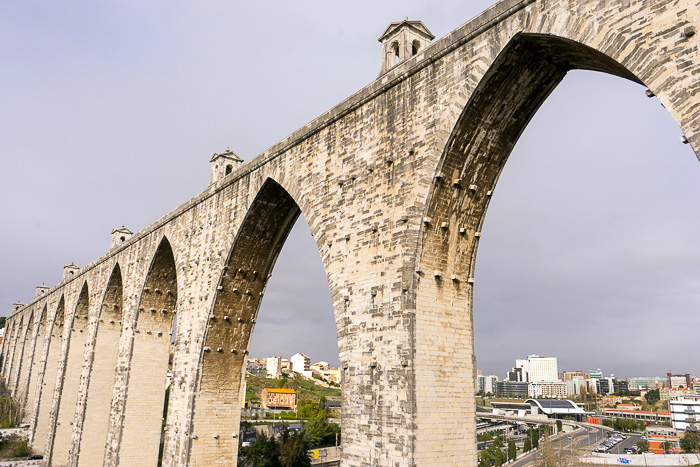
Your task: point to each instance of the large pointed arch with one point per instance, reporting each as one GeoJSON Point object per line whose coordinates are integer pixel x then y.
{"type": "Point", "coordinates": [524, 74]}
{"type": "Point", "coordinates": [18, 390]}
{"type": "Point", "coordinates": [89, 446]}
{"type": "Point", "coordinates": [34, 364]}
{"type": "Point", "coordinates": [47, 382]}
{"type": "Point", "coordinates": [216, 412]}
{"type": "Point", "coordinates": [69, 382]}
{"type": "Point", "coordinates": [140, 436]}
{"type": "Point", "coordinates": [11, 342]}
{"type": "Point", "coordinates": [16, 355]}
{"type": "Point", "coordinates": [6, 343]}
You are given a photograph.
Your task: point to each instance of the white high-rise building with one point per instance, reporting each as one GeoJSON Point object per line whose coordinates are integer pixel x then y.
{"type": "Point", "coordinates": [542, 369]}
{"type": "Point", "coordinates": [538, 369]}
{"type": "Point", "coordinates": [274, 367]}
{"type": "Point", "coordinates": [301, 364]}
{"type": "Point", "coordinates": [487, 384]}
{"type": "Point", "coordinates": [524, 366]}
{"type": "Point", "coordinates": [685, 413]}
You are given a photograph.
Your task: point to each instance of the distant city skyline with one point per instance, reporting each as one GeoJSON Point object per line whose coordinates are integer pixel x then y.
{"type": "Point", "coordinates": [112, 110]}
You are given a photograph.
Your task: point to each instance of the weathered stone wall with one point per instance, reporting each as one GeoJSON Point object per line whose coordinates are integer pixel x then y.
{"type": "Point", "coordinates": [395, 183]}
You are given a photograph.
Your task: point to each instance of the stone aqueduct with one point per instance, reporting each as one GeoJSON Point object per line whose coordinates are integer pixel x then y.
{"type": "Point", "coordinates": [394, 182]}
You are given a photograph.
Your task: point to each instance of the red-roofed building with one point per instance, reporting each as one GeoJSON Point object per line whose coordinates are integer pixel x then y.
{"type": "Point", "coordinates": [274, 398]}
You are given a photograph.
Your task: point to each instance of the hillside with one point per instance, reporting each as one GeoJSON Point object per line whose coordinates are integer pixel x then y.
{"type": "Point", "coordinates": [305, 389]}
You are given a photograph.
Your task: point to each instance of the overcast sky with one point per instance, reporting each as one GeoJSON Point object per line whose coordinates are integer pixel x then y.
{"type": "Point", "coordinates": [110, 111]}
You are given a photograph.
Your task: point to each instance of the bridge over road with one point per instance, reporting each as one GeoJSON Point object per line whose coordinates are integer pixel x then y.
{"type": "Point", "coordinates": [394, 182]}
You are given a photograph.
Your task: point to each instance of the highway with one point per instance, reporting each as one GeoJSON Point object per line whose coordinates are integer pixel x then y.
{"type": "Point", "coordinates": [583, 440]}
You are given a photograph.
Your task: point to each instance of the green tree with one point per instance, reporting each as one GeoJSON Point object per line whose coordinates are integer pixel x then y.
{"type": "Point", "coordinates": [512, 450]}
{"type": "Point", "coordinates": [559, 426]}
{"type": "Point", "coordinates": [485, 437]}
{"type": "Point", "coordinates": [643, 445]}
{"type": "Point", "coordinates": [533, 435]}
{"type": "Point", "coordinates": [667, 446]}
{"type": "Point", "coordinates": [691, 442]}
{"type": "Point", "coordinates": [293, 450]}
{"type": "Point", "coordinates": [308, 409]}
{"type": "Point", "coordinates": [263, 452]}
{"type": "Point", "coordinates": [318, 432]}
{"type": "Point", "coordinates": [528, 445]}
{"type": "Point", "coordinates": [499, 457]}
{"type": "Point", "coordinates": [624, 424]}
{"type": "Point", "coordinates": [652, 396]}
{"type": "Point", "coordinates": [498, 441]}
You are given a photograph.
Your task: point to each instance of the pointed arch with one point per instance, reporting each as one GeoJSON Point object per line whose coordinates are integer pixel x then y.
{"type": "Point", "coordinates": [140, 436]}
{"type": "Point", "coordinates": [89, 446]}
{"type": "Point", "coordinates": [18, 390]}
{"type": "Point", "coordinates": [9, 348]}
{"type": "Point", "coordinates": [34, 364]}
{"type": "Point", "coordinates": [68, 384]}
{"type": "Point", "coordinates": [47, 380]}
{"type": "Point", "coordinates": [9, 329]}
{"type": "Point", "coordinates": [216, 412]}
{"type": "Point", "coordinates": [15, 356]}
{"type": "Point", "coordinates": [521, 78]}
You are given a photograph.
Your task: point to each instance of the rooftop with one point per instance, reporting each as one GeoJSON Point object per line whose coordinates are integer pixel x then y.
{"type": "Point", "coordinates": [281, 390]}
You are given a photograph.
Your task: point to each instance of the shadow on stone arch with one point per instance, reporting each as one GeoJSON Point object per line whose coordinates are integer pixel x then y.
{"type": "Point", "coordinates": [16, 354]}
{"type": "Point", "coordinates": [18, 351]}
{"type": "Point", "coordinates": [141, 430]}
{"type": "Point", "coordinates": [521, 78]}
{"type": "Point", "coordinates": [19, 391]}
{"type": "Point", "coordinates": [70, 380]}
{"type": "Point", "coordinates": [91, 442]}
{"type": "Point", "coordinates": [217, 404]}
{"type": "Point", "coordinates": [54, 341]}
{"type": "Point", "coordinates": [28, 401]}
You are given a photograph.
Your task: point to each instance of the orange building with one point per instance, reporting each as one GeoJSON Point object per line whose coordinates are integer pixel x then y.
{"type": "Point", "coordinates": [658, 435]}
{"type": "Point", "coordinates": [273, 398]}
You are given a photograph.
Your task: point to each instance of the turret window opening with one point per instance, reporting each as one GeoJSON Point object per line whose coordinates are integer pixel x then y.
{"type": "Point", "coordinates": [415, 47]}
{"type": "Point", "coordinates": [395, 49]}
{"type": "Point", "coordinates": [229, 169]}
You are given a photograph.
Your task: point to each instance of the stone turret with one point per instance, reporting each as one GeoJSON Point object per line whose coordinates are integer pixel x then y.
{"type": "Point", "coordinates": [16, 306]}
{"type": "Point", "coordinates": [41, 290]}
{"type": "Point", "coordinates": [224, 164]}
{"type": "Point", "coordinates": [69, 270]}
{"type": "Point", "coordinates": [401, 41]}
{"type": "Point", "coordinates": [119, 236]}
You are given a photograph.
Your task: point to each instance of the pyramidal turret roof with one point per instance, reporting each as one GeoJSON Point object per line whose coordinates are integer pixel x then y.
{"type": "Point", "coordinates": [416, 25]}
{"type": "Point", "coordinates": [122, 230]}
{"type": "Point", "coordinates": [229, 154]}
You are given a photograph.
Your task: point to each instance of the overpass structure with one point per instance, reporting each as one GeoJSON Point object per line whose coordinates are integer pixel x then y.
{"type": "Point", "coordinates": [394, 183]}
{"type": "Point", "coordinates": [535, 420]}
